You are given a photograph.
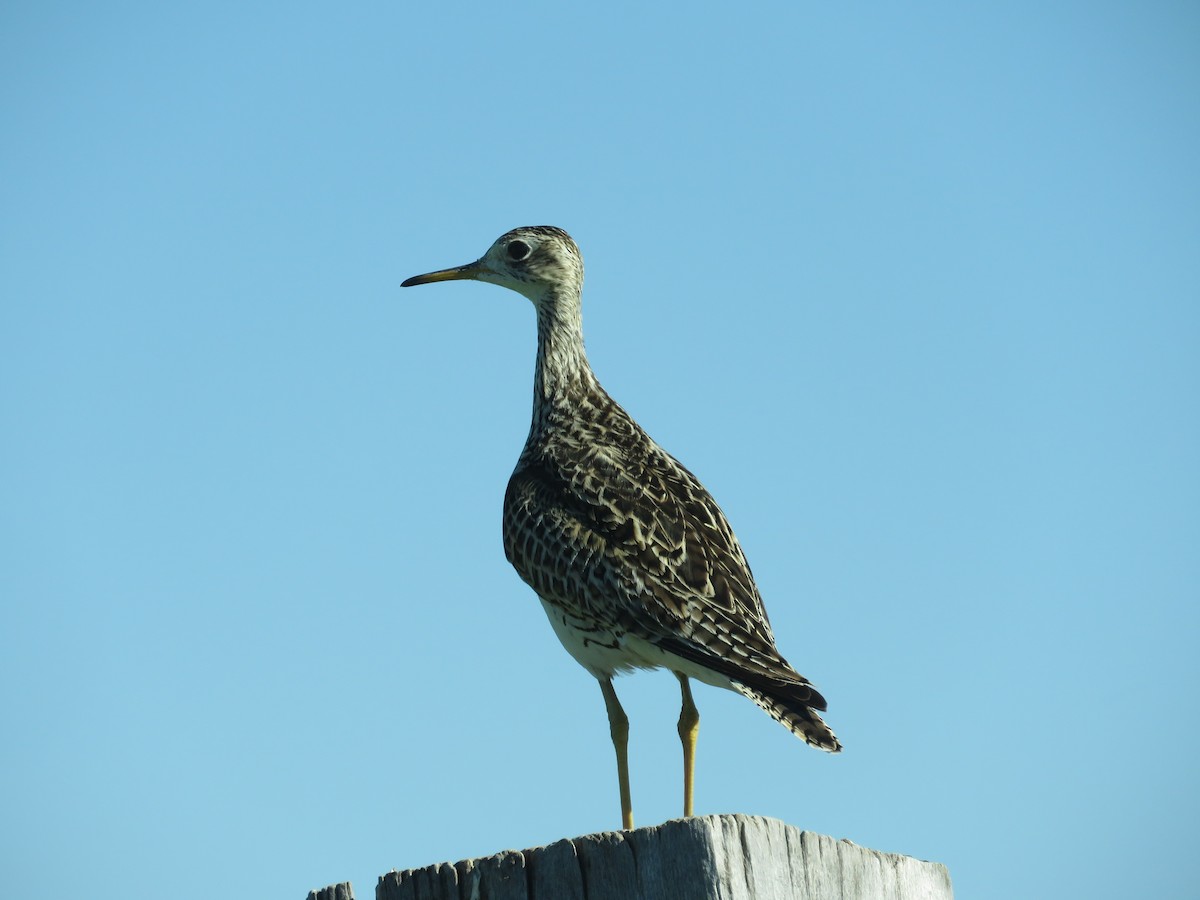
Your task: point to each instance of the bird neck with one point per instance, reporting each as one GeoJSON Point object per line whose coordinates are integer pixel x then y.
{"type": "Point", "coordinates": [562, 365]}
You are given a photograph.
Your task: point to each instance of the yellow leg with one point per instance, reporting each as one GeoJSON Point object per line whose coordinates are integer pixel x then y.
{"type": "Point", "coordinates": [618, 726]}
{"type": "Point", "coordinates": [689, 729]}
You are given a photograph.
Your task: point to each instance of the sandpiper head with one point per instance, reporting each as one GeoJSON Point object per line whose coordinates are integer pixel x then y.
{"type": "Point", "coordinates": [536, 260]}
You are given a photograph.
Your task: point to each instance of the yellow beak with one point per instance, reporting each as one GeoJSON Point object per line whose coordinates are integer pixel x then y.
{"type": "Point", "coordinates": [470, 271]}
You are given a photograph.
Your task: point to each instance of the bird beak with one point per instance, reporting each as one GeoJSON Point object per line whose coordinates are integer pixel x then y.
{"type": "Point", "coordinates": [471, 271]}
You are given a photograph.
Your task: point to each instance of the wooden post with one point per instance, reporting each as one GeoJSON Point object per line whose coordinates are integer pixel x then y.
{"type": "Point", "coordinates": [341, 891]}
{"type": "Point", "coordinates": [706, 858]}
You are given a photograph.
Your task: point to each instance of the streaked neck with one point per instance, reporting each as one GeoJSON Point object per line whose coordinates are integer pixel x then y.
{"type": "Point", "coordinates": [562, 366]}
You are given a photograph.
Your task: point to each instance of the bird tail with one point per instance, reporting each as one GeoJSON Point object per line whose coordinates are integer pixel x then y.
{"type": "Point", "coordinates": [794, 706]}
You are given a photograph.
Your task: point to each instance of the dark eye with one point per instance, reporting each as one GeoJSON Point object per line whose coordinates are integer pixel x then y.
{"type": "Point", "coordinates": [518, 250]}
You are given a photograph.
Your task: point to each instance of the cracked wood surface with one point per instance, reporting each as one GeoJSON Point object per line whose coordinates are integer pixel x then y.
{"type": "Point", "coordinates": [731, 857]}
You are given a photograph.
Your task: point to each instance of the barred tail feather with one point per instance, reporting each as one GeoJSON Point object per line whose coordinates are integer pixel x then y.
{"type": "Point", "coordinates": [796, 713]}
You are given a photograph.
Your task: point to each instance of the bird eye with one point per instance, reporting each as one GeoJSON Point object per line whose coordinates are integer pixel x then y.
{"type": "Point", "coordinates": [518, 250]}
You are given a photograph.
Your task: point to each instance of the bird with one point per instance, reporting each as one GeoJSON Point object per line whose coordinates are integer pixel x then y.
{"type": "Point", "coordinates": [635, 564]}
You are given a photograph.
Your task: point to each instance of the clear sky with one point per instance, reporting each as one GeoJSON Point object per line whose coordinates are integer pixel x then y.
{"type": "Point", "coordinates": [913, 288]}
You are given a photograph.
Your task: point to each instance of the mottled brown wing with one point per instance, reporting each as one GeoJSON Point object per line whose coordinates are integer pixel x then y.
{"type": "Point", "coordinates": [618, 529]}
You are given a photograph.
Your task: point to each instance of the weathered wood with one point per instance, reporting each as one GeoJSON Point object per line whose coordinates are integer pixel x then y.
{"type": "Point", "coordinates": [341, 891]}
{"type": "Point", "coordinates": [707, 858]}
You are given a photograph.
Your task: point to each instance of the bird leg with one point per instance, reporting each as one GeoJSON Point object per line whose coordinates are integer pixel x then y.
{"type": "Point", "coordinates": [689, 729]}
{"type": "Point", "coordinates": [618, 726]}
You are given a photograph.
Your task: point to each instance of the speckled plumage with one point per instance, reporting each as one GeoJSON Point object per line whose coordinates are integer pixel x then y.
{"type": "Point", "coordinates": [634, 562]}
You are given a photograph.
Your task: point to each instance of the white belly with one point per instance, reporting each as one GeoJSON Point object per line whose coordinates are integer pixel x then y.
{"type": "Point", "coordinates": [604, 653]}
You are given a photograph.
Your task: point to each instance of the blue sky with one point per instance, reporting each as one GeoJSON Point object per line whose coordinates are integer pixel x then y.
{"type": "Point", "coordinates": [915, 291]}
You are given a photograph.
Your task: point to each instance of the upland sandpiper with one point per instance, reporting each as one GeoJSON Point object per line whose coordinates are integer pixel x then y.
{"type": "Point", "coordinates": [633, 560]}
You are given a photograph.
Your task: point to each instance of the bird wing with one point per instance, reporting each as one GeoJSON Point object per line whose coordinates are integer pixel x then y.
{"type": "Point", "coordinates": [608, 523]}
